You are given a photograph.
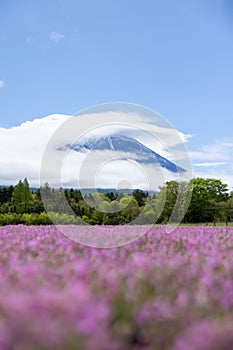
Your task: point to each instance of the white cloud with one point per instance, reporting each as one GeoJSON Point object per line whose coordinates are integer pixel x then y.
{"type": "Point", "coordinates": [215, 160]}
{"type": "Point", "coordinates": [2, 84]}
{"type": "Point", "coordinates": [221, 150]}
{"type": "Point", "coordinates": [56, 36]}
{"type": "Point", "coordinates": [109, 169]}
{"type": "Point", "coordinates": [22, 148]}
{"type": "Point", "coordinates": [208, 164]}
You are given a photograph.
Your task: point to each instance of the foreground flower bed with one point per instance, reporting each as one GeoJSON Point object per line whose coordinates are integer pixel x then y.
{"type": "Point", "coordinates": [164, 291]}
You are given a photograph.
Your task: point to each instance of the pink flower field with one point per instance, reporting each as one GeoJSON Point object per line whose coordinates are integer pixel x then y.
{"type": "Point", "coordinates": [164, 291]}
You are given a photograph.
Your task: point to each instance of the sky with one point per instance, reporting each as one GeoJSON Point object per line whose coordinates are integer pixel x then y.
{"type": "Point", "coordinates": [59, 57]}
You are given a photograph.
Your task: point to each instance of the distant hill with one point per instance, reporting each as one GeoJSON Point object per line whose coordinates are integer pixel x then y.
{"type": "Point", "coordinates": [107, 190]}
{"type": "Point", "coordinates": [101, 190]}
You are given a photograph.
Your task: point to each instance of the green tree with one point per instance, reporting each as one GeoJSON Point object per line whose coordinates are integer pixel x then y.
{"type": "Point", "coordinates": [172, 200]}
{"type": "Point", "coordinates": [5, 194]}
{"type": "Point", "coordinates": [140, 197]}
{"type": "Point", "coordinates": [131, 208]}
{"type": "Point", "coordinates": [226, 210]}
{"type": "Point", "coordinates": [21, 199]}
{"type": "Point", "coordinates": [206, 194]}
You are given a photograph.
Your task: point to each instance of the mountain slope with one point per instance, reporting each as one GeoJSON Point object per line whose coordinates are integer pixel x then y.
{"type": "Point", "coordinates": [127, 145]}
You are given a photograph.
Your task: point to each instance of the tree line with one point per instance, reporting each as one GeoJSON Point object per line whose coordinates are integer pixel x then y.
{"type": "Point", "coordinates": [210, 202]}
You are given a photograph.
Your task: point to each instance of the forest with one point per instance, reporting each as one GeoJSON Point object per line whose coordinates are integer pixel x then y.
{"type": "Point", "coordinates": [211, 202]}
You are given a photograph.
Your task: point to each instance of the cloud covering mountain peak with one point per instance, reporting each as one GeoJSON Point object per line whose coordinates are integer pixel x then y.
{"type": "Point", "coordinates": [22, 148]}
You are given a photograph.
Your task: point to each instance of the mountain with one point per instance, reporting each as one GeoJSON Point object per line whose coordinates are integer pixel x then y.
{"type": "Point", "coordinates": [126, 145]}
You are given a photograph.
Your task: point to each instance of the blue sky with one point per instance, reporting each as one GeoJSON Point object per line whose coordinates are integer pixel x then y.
{"type": "Point", "coordinates": [176, 57]}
